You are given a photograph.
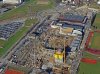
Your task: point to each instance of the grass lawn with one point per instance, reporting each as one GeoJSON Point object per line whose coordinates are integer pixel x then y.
{"type": "Point", "coordinates": [23, 10]}
{"type": "Point", "coordinates": [85, 68]}
{"type": "Point", "coordinates": [18, 35]}
{"type": "Point", "coordinates": [2, 43]}
{"type": "Point", "coordinates": [97, 21]}
{"type": "Point", "coordinates": [89, 68]}
{"type": "Point", "coordinates": [95, 43]}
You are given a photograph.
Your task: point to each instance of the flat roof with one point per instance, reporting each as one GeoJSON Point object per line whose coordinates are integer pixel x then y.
{"type": "Point", "coordinates": [12, 71]}
{"type": "Point", "coordinates": [73, 18]}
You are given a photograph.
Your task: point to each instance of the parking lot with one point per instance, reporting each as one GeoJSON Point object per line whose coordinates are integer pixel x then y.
{"type": "Point", "coordinates": [7, 30]}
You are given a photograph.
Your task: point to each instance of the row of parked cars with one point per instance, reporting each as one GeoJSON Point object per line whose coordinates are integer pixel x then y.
{"type": "Point", "coordinates": [7, 30]}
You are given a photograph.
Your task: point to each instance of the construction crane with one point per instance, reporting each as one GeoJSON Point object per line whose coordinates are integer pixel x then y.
{"type": "Point", "coordinates": [63, 68]}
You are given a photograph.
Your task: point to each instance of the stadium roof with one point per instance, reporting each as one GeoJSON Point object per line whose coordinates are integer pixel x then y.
{"type": "Point", "coordinates": [73, 18]}
{"type": "Point", "coordinates": [12, 71]}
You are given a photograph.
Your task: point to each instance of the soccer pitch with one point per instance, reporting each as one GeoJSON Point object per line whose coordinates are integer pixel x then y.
{"type": "Point", "coordinates": [97, 21]}
{"type": "Point", "coordinates": [86, 68]}
{"type": "Point", "coordinates": [95, 42]}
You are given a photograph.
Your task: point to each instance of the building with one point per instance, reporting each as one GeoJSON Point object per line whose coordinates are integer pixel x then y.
{"type": "Point", "coordinates": [98, 2]}
{"type": "Point", "coordinates": [12, 1]}
{"type": "Point", "coordinates": [73, 18]}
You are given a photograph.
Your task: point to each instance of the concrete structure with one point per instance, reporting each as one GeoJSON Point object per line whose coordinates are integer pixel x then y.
{"type": "Point", "coordinates": [12, 1]}
{"type": "Point", "coordinates": [66, 30]}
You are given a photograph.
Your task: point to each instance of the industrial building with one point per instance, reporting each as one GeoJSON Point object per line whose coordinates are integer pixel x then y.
{"type": "Point", "coordinates": [12, 1]}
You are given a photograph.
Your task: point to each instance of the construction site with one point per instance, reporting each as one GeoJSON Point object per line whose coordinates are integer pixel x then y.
{"type": "Point", "coordinates": [52, 46]}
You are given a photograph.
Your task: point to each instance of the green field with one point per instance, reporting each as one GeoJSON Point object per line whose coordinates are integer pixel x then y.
{"type": "Point", "coordinates": [85, 68]}
{"type": "Point", "coordinates": [95, 43]}
{"type": "Point", "coordinates": [18, 35]}
{"type": "Point", "coordinates": [97, 21]}
{"type": "Point", "coordinates": [20, 12]}
{"type": "Point", "coordinates": [23, 10]}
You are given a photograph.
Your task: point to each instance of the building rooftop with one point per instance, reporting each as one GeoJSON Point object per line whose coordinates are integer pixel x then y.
{"type": "Point", "coordinates": [73, 18]}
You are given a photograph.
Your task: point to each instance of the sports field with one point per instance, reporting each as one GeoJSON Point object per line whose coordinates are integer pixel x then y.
{"type": "Point", "coordinates": [97, 21]}
{"type": "Point", "coordinates": [86, 68]}
{"type": "Point", "coordinates": [11, 71]}
{"type": "Point", "coordinates": [17, 36]}
{"type": "Point", "coordinates": [95, 43]}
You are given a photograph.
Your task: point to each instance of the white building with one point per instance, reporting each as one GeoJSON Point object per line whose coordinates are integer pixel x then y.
{"type": "Point", "coordinates": [12, 1]}
{"type": "Point", "coordinates": [98, 2]}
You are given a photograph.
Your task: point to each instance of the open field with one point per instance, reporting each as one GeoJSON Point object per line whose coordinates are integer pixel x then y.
{"type": "Point", "coordinates": [86, 68]}
{"type": "Point", "coordinates": [42, 1]}
{"type": "Point", "coordinates": [89, 68]}
{"type": "Point", "coordinates": [18, 35]}
{"type": "Point", "coordinates": [95, 43]}
{"type": "Point", "coordinates": [1, 43]}
{"type": "Point", "coordinates": [97, 21]}
{"type": "Point", "coordinates": [23, 10]}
